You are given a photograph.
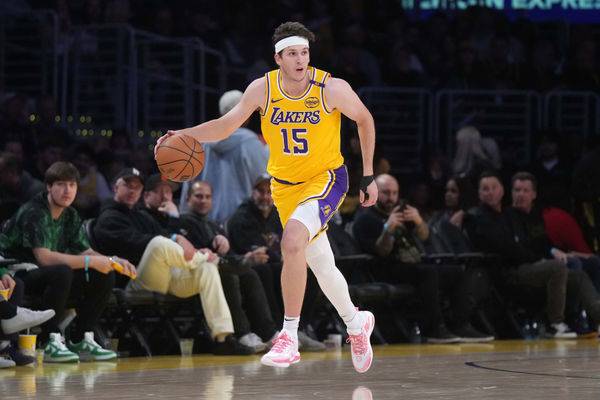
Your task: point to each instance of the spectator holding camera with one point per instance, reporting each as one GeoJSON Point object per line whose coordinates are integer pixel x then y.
{"type": "Point", "coordinates": [387, 231]}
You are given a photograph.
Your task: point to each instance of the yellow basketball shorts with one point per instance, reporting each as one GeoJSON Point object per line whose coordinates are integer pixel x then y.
{"type": "Point", "coordinates": [328, 188]}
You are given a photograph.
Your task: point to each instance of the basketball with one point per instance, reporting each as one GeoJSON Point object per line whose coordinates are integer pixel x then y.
{"type": "Point", "coordinates": [180, 158]}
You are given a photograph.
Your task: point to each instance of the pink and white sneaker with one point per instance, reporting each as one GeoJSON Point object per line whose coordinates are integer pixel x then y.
{"type": "Point", "coordinates": [362, 353]}
{"type": "Point", "coordinates": [283, 353]}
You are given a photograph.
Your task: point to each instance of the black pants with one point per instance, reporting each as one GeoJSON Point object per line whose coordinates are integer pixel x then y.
{"type": "Point", "coordinates": [580, 287]}
{"type": "Point", "coordinates": [59, 286]}
{"type": "Point", "coordinates": [8, 309]}
{"type": "Point", "coordinates": [248, 304]}
{"type": "Point", "coordinates": [270, 276]}
{"type": "Point", "coordinates": [560, 283]}
{"type": "Point", "coordinates": [431, 280]}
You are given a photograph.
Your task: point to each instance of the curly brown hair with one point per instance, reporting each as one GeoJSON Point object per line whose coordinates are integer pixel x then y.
{"type": "Point", "coordinates": [288, 29]}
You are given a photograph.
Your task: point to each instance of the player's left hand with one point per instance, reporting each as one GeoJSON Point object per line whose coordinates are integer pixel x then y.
{"type": "Point", "coordinates": [372, 193]}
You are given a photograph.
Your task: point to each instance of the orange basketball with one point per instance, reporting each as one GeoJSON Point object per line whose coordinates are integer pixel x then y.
{"type": "Point", "coordinates": [180, 158]}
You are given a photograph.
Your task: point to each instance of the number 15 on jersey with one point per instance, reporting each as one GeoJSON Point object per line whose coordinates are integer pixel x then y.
{"type": "Point", "coordinates": [295, 137]}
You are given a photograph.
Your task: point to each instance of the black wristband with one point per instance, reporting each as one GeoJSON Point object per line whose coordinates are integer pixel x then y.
{"type": "Point", "coordinates": [365, 181]}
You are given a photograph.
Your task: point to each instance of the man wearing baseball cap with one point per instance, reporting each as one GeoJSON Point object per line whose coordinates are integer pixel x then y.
{"type": "Point", "coordinates": [127, 173]}
{"type": "Point", "coordinates": [158, 198]}
{"type": "Point", "coordinates": [167, 262]}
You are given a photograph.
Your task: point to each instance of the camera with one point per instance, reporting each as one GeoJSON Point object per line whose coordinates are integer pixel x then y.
{"type": "Point", "coordinates": [402, 205]}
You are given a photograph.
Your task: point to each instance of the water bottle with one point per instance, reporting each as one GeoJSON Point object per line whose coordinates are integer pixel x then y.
{"type": "Point", "coordinates": [535, 331]}
{"type": "Point", "coordinates": [527, 330]}
{"type": "Point", "coordinates": [415, 333]}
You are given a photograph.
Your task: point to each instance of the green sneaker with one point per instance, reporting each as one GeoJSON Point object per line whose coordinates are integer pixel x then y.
{"type": "Point", "coordinates": [56, 352]}
{"type": "Point", "coordinates": [88, 349]}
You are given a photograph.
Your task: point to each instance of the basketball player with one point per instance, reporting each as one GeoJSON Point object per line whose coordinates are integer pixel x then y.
{"type": "Point", "coordinates": [301, 109]}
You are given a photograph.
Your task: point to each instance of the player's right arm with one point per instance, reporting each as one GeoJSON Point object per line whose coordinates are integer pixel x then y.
{"type": "Point", "coordinates": [220, 128]}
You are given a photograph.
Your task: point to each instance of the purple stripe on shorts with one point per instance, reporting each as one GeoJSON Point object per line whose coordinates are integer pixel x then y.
{"type": "Point", "coordinates": [330, 203]}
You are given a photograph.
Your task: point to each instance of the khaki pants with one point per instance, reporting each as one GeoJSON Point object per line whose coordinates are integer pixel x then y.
{"type": "Point", "coordinates": [163, 269]}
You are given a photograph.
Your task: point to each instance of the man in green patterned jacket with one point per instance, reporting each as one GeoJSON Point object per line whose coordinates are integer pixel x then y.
{"type": "Point", "coordinates": [59, 266]}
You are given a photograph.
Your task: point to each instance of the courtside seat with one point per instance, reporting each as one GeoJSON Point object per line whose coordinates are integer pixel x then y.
{"type": "Point", "coordinates": [382, 298]}
{"type": "Point", "coordinates": [400, 291]}
{"type": "Point", "coordinates": [507, 305]}
{"type": "Point", "coordinates": [88, 226]}
{"type": "Point", "coordinates": [454, 240]}
{"type": "Point", "coordinates": [146, 314]}
{"type": "Point", "coordinates": [374, 292]}
{"type": "Point", "coordinates": [363, 288]}
{"type": "Point", "coordinates": [135, 298]}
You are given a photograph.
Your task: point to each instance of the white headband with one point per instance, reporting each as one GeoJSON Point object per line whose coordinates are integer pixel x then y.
{"type": "Point", "coordinates": [290, 41]}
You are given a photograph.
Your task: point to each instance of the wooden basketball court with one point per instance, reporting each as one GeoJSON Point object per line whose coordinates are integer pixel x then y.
{"type": "Point", "coordinates": [538, 369]}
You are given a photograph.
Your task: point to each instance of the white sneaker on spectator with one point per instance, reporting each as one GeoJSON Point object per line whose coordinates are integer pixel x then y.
{"type": "Point", "coordinates": [6, 363]}
{"type": "Point", "coordinates": [254, 341]}
{"type": "Point", "coordinates": [24, 319]}
{"type": "Point", "coordinates": [56, 351]}
{"type": "Point", "coordinates": [560, 331]}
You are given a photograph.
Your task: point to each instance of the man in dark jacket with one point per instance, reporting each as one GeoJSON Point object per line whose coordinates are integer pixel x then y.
{"type": "Point", "coordinates": [530, 226]}
{"type": "Point", "coordinates": [496, 230]}
{"type": "Point", "coordinates": [167, 262]}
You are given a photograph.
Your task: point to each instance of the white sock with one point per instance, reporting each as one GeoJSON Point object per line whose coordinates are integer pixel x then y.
{"type": "Point", "coordinates": [333, 284]}
{"type": "Point", "coordinates": [4, 344]}
{"type": "Point", "coordinates": [290, 325]}
{"type": "Point", "coordinates": [355, 324]}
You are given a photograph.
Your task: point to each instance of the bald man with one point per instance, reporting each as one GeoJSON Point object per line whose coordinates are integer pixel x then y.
{"type": "Point", "coordinates": [388, 231]}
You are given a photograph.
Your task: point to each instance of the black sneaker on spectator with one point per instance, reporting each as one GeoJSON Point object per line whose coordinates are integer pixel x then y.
{"type": "Point", "coordinates": [231, 347]}
{"type": "Point", "coordinates": [581, 325]}
{"type": "Point", "coordinates": [468, 334]}
{"type": "Point", "coordinates": [13, 353]}
{"type": "Point", "coordinates": [559, 331]}
{"type": "Point", "coordinates": [442, 335]}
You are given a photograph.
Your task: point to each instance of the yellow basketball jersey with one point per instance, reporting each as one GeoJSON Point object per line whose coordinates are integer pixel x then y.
{"type": "Point", "coordinates": [303, 134]}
